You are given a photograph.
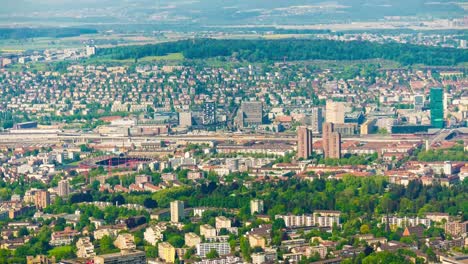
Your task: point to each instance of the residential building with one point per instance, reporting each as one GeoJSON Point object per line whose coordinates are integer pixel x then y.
{"type": "Point", "coordinates": [456, 228]}
{"type": "Point", "coordinates": [111, 231]}
{"type": "Point", "coordinates": [222, 248]}
{"type": "Point", "coordinates": [154, 233]}
{"type": "Point", "coordinates": [141, 179]}
{"type": "Point", "coordinates": [304, 142]}
{"type": "Point", "coordinates": [331, 141]}
{"type": "Point", "coordinates": [166, 252]}
{"type": "Point", "coordinates": [437, 217]}
{"type": "Point", "coordinates": [41, 199]}
{"type": "Point", "coordinates": [125, 241]}
{"type": "Point", "coordinates": [335, 112]}
{"type": "Point", "coordinates": [192, 239]}
{"type": "Point", "coordinates": [123, 257]}
{"type": "Point", "coordinates": [85, 249]}
{"type": "Point", "coordinates": [318, 218]}
{"type": "Point", "coordinates": [209, 113]}
{"type": "Point", "coordinates": [177, 211]}
{"type": "Point", "coordinates": [256, 240]}
{"type": "Point", "coordinates": [222, 222]}
{"type": "Point", "coordinates": [256, 206]}
{"type": "Point", "coordinates": [405, 221]}
{"type": "Point", "coordinates": [63, 238]}
{"type": "Point", "coordinates": [314, 120]}
{"type": "Point", "coordinates": [185, 119]}
{"type": "Point", "coordinates": [416, 231]}
{"type": "Point", "coordinates": [40, 259]}
{"type": "Point", "coordinates": [324, 218]}
{"type": "Point", "coordinates": [63, 188]}
{"type": "Point", "coordinates": [207, 231]}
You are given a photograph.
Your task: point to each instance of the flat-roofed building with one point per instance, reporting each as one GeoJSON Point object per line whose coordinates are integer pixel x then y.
{"type": "Point", "coordinates": [123, 257]}
{"type": "Point", "coordinates": [207, 231]}
{"type": "Point", "coordinates": [256, 206]}
{"type": "Point", "coordinates": [222, 248]}
{"type": "Point", "coordinates": [166, 252]}
{"type": "Point", "coordinates": [192, 239]}
{"type": "Point", "coordinates": [177, 211]}
{"type": "Point", "coordinates": [223, 222]}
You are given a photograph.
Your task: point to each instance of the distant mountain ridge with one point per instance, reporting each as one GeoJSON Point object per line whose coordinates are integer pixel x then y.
{"type": "Point", "coordinates": [216, 12]}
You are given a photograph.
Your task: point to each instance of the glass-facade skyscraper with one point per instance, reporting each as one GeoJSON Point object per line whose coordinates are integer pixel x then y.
{"type": "Point", "coordinates": [436, 97]}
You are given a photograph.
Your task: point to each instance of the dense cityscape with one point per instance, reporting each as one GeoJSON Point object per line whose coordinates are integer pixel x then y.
{"type": "Point", "coordinates": [252, 144]}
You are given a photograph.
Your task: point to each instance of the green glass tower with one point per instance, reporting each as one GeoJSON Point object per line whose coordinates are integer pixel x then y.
{"type": "Point", "coordinates": [436, 97]}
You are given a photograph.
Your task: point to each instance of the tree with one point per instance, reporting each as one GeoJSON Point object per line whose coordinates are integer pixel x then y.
{"type": "Point", "coordinates": [245, 248]}
{"type": "Point", "coordinates": [63, 252]}
{"type": "Point", "coordinates": [106, 245]}
{"type": "Point", "coordinates": [151, 252]}
{"type": "Point", "coordinates": [365, 229]}
{"type": "Point", "coordinates": [23, 232]}
{"type": "Point", "coordinates": [212, 254]}
{"type": "Point", "coordinates": [150, 203]}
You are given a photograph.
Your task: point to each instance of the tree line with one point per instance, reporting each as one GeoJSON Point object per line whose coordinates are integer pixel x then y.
{"type": "Point", "coordinates": [25, 33]}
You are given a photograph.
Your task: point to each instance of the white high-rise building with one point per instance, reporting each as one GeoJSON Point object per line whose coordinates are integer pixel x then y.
{"type": "Point", "coordinates": [222, 248]}
{"type": "Point", "coordinates": [256, 206]}
{"type": "Point", "coordinates": [177, 211]}
{"type": "Point", "coordinates": [185, 119]}
{"type": "Point", "coordinates": [335, 112]}
{"type": "Point", "coordinates": [90, 50]}
{"type": "Point", "coordinates": [63, 188]}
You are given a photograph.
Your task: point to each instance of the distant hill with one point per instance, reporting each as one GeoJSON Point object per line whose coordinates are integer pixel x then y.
{"type": "Point", "coordinates": [293, 49]}
{"type": "Point", "coordinates": [216, 12]}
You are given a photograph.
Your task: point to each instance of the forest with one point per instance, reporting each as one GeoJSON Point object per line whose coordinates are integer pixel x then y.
{"type": "Point", "coordinates": [292, 50]}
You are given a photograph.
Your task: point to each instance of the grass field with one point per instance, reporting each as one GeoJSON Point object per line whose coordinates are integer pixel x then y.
{"type": "Point", "coordinates": [37, 66]}
{"type": "Point", "coordinates": [283, 36]}
{"type": "Point", "coordinates": [170, 57]}
{"type": "Point", "coordinates": [11, 50]}
{"type": "Point", "coordinates": [101, 40]}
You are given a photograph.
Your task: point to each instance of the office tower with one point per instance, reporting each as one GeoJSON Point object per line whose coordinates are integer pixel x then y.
{"type": "Point", "coordinates": [256, 206]}
{"type": "Point", "coordinates": [436, 97]}
{"type": "Point", "coordinates": [41, 199]}
{"type": "Point", "coordinates": [250, 114]}
{"type": "Point", "coordinates": [335, 112]}
{"type": "Point", "coordinates": [304, 142]}
{"type": "Point", "coordinates": [314, 120]}
{"type": "Point", "coordinates": [177, 211]}
{"type": "Point", "coordinates": [185, 119]}
{"type": "Point", "coordinates": [63, 188]}
{"type": "Point", "coordinates": [331, 141]}
{"type": "Point", "coordinates": [209, 113]}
